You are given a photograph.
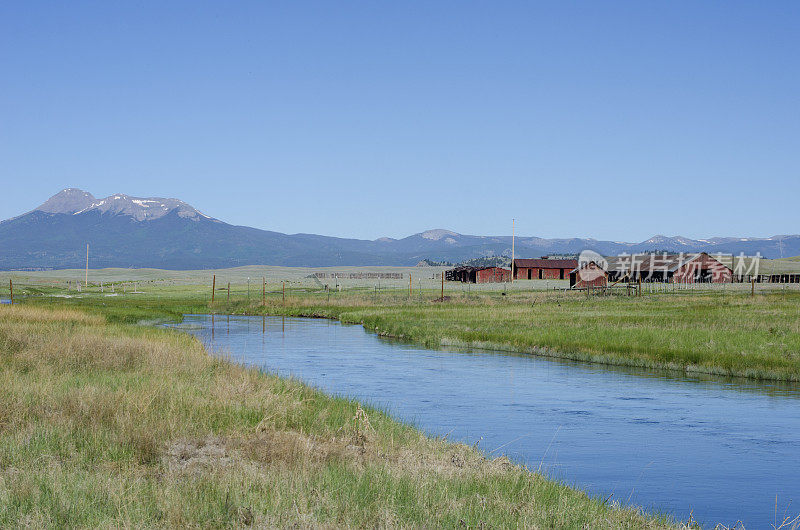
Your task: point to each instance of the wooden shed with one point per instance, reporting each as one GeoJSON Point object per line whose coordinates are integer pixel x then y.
{"type": "Point", "coordinates": [478, 275]}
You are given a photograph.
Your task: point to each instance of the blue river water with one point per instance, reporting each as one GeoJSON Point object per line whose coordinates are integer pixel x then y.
{"type": "Point", "coordinates": [722, 450]}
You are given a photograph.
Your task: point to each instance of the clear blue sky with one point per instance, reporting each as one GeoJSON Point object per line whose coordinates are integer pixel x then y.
{"type": "Point", "coordinates": [365, 119]}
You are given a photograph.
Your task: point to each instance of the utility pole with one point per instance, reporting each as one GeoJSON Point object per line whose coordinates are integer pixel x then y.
{"type": "Point", "coordinates": [512, 250]}
{"type": "Point", "coordinates": [86, 279]}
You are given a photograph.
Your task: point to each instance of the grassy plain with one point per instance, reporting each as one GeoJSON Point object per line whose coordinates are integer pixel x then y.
{"type": "Point", "coordinates": [722, 331]}
{"type": "Point", "coordinates": [105, 423]}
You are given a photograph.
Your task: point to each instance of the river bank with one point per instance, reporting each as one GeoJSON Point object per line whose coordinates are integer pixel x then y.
{"type": "Point", "coordinates": [730, 335]}
{"type": "Point", "coordinates": [606, 430]}
{"type": "Point", "coordinates": [114, 424]}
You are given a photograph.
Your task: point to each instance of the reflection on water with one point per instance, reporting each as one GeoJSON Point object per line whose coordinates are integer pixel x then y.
{"type": "Point", "coordinates": [723, 448]}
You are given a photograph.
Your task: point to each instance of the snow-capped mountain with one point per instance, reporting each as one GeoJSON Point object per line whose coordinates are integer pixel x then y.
{"type": "Point", "coordinates": [126, 231]}
{"type": "Point", "coordinates": [437, 234]}
{"type": "Point", "coordinates": [674, 242]}
{"type": "Point", "coordinates": [73, 201]}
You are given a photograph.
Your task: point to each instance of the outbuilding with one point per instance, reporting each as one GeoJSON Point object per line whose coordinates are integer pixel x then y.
{"type": "Point", "coordinates": [478, 275]}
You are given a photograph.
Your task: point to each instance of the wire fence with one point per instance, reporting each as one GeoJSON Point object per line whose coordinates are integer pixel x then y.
{"type": "Point", "coordinates": [424, 286]}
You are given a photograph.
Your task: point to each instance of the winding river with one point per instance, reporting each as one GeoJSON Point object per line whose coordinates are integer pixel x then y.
{"type": "Point", "coordinates": [723, 450]}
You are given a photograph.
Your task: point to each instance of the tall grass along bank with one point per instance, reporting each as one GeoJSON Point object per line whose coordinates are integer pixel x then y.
{"type": "Point", "coordinates": [109, 424]}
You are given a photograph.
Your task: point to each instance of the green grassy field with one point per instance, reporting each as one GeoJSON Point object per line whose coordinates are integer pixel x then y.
{"type": "Point", "coordinates": [110, 424]}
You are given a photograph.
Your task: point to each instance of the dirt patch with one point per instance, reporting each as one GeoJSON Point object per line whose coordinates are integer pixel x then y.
{"type": "Point", "coordinates": [355, 443]}
{"type": "Point", "coordinates": [288, 447]}
{"type": "Point", "coordinates": [197, 455]}
{"type": "Point", "coordinates": [267, 447]}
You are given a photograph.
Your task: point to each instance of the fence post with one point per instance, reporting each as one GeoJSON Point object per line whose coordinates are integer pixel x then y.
{"type": "Point", "coordinates": [263, 290]}
{"type": "Point", "coordinates": [752, 288]}
{"type": "Point", "coordinates": [213, 287]}
{"type": "Point", "coordinates": [11, 288]}
{"type": "Point", "coordinates": [284, 292]}
{"type": "Point", "coordinates": [229, 291]}
{"type": "Point", "coordinates": [442, 286]}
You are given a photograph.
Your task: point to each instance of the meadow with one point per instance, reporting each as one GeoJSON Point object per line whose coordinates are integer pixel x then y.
{"type": "Point", "coordinates": [720, 330]}
{"type": "Point", "coordinates": [110, 421]}
{"type": "Point", "coordinates": [107, 423]}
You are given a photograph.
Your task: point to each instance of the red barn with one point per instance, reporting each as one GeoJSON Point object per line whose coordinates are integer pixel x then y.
{"type": "Point", "coordinates": [543, 269]}
{"type": "Point", "coordinates": [493, 275]}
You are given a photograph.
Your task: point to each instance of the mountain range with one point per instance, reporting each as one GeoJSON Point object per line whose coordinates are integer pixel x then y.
{"type": "Point", "coordinates": [125, 231]}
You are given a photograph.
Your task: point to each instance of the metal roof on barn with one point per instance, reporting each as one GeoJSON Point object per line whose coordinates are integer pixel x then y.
{"type": "Point", "coordinates": [482, 268]}
{"type": "Point", "coordinates": [545, 263]}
